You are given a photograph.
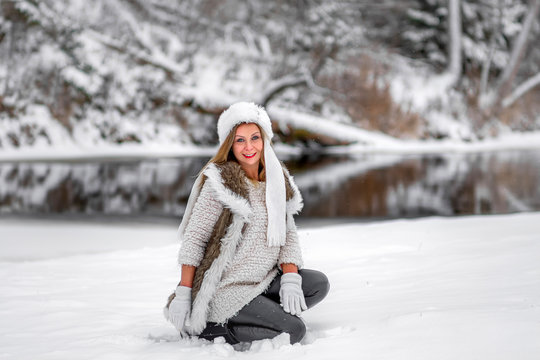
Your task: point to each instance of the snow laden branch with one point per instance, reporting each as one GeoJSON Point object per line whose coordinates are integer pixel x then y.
{"type": "Point", "coordinates": [521, 90]}
{"type": "Point", "coordinates": [171, 68]}
{"type": "Point", "coordinates": [141, 33]}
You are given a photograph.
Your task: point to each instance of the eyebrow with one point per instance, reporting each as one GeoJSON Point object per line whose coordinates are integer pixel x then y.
{"type": "Point", "coordinates": [256, 132]}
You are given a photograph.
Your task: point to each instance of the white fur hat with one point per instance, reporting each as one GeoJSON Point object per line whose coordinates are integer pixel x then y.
{"type": "Point", "coordinates": [243, 112]}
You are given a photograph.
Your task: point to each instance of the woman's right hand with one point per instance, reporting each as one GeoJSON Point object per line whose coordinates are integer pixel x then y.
{"type": "Point", "coordinates": [180, 309]}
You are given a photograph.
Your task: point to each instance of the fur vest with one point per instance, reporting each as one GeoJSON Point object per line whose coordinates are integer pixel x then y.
{"type": "Point", "coordinates": [228, 182]}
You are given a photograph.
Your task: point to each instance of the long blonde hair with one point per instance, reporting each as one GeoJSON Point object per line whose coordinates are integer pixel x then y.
{"type": "Point", "coordinates": [225, 152]}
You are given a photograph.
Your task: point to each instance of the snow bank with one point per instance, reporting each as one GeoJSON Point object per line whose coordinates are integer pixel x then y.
{"type": "Point", "coordinates": [106, 151]}
{"type": "Point", "coordinates": [513, 141]}
{"type": "Point", "coordinates": [508, 141]}
{"type": "Point", "coordinates": [363, 141]}
{"type": "Point", "coordinates": [436, 288]}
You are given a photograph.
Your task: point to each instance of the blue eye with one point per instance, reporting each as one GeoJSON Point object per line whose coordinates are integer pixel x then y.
{"type": "Point", "coordinates": [256, 137]}
{"type": "Point", "coordinates": [239, 140]}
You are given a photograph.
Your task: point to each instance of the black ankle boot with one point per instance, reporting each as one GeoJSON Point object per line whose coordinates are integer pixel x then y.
{"type": "Point", "coordinates": [214, 330]}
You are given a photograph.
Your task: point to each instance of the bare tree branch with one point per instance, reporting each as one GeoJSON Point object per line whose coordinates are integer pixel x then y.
{"type": "Point", "coordinates": [506, 78]}
{"type": "Point", "coordinates": [281, 84]}
{"type": "Point", "coordinates": [304, 77]}
{"type": "Point", "coordinates": [521, 90]}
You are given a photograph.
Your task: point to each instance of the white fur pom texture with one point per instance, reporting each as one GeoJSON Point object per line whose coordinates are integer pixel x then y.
{"type": "Point", "coordinates": [243, 112]}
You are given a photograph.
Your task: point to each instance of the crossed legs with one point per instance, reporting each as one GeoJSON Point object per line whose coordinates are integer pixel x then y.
{"type": "Point", "coordinates": [264, 318]}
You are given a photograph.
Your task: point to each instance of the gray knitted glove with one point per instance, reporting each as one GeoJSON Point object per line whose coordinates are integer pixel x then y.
{"type": "Point", "coordinates": [291, 294]}
{"type": "Point", "coordinates": [180, 309]}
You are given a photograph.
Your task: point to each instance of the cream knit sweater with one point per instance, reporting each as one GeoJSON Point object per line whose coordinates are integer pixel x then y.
{"type": "Point", "coordinates": [254, 265]}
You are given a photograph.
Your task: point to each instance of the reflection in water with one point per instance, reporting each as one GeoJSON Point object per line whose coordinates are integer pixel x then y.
{"type": "Point", "coordinates": [141, 188]}
{"type": "Point", "coordinates": [383, 186]}
{"type": "Point", "coordinates": [368, 186]}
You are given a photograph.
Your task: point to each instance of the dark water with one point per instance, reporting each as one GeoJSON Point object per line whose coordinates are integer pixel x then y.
{"type": "Point", "coordinates": [365, 187]}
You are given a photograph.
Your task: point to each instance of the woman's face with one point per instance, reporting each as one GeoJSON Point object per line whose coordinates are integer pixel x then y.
{"type": "Point", "coordinates": [248, 145]}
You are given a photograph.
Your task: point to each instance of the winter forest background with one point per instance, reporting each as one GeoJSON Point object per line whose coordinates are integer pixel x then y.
{"type": "Point", "coordinates": [142, 72]}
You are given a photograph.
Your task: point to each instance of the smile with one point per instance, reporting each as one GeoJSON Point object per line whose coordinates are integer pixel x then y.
{"type": "Point", "coordinates": [249, 156]}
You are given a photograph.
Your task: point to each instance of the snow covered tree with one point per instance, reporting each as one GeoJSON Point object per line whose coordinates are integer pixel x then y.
{"type": "Point", "coordinates": [494, 38]}
{"type": "Point", "coordinates": [488, 27]}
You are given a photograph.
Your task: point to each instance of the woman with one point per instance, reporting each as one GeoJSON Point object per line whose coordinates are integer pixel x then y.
{"type": "Point", "coordinates": [242, 275]}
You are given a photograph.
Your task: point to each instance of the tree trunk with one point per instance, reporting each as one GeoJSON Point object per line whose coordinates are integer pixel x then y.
{"type": "Point", "coordinates": [454, 32]}
{"type": "Point", "coordinates": [497, 24]}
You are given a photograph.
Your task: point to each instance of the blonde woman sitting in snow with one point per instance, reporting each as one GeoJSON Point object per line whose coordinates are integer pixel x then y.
{"type": "Point", "coordinates": [242, 275]}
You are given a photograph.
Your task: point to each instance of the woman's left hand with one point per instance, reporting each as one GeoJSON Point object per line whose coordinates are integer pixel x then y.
{"type": "Point", "coordinates": [291, 294]}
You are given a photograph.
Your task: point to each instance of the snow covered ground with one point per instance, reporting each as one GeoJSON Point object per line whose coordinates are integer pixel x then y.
{"type": "Point", "coordinates": [434, 288]}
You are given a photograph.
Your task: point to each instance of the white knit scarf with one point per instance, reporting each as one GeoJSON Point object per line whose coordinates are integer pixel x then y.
{"type": "Point", "coordinates": [244, 112]}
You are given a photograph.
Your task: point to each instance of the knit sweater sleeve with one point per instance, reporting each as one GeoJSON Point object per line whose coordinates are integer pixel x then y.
{"type": "Point", "coordinates": [204, 216]}
{"type": "Point", "coordinates": [290, 253]}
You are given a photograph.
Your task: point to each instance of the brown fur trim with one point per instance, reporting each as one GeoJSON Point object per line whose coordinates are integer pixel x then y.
{"type": "Point", "coordinates": [289, 192]}
{"type": "Point", "coordinates": [233, 177]}
{"type": "Point", "coordinates": [171, 297]}
{"type": "Point", "coordinates": [213, 249]}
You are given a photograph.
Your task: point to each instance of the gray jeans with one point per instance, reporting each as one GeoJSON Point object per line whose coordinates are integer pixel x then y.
{"type": "Point", "coordinates": [264, 318]}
